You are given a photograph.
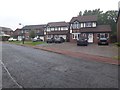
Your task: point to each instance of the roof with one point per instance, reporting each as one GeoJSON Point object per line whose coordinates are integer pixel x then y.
{"type": "Point", "coordinates": [5, 29]}
{"type": "Point", "coordinates": [32, 27]}
{"type": "Point", "coordinates": [58, 24]}
{"type": "Point", "coordinates": [84, 18]}
{"type": "Point", "coordinates": [99, 28]}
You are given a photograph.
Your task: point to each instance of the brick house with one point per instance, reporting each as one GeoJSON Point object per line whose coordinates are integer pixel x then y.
{"type": "Point", "coordinates": [57, 29]}
{"type": "Point", "coordinates": [17, 34]}
{"type": "Point", "coordinates": [38, 29]}
{"type": "Point", "coordinates": [88, 27]}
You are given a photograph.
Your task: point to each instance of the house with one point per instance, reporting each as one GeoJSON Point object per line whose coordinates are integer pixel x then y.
{"type": "Point", "coordinates": [118, 24]}
{"type": "Point", "coordinates": [57, 29]}
{"type": "Point", "coordinates": [88, 27]}
{"type": "Point", "coordinates": [38, 29]}
{"type": "Point", "coordinates": [5, 33]}
{"type": "Point", "coordinates": [18, 34]}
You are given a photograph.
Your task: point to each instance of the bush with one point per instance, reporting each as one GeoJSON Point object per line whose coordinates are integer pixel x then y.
{"type": "Point", "coordinates": [118, 44]}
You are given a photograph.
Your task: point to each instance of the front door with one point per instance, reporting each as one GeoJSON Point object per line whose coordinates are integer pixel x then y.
{"type": "Point", "coordinates": [90, 38]}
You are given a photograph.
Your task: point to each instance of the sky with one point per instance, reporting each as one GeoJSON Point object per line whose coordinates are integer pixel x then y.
{"type": "Point", "coordinates": [34, 12]}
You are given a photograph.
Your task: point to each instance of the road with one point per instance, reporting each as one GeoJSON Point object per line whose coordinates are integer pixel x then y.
{"type": "Point", "coordinates": [25, 67]}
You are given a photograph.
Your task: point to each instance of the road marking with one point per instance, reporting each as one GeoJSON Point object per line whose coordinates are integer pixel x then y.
{"type": "Point", "coordinates": [10, 75]}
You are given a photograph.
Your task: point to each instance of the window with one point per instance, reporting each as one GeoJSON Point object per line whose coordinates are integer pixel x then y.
{"type": "Point", "coordinates": [76, 36]}
{"type": "Point", "coordinates": [88, 24]}
{"type": "Point", "coordinates": [104, 35]}
{"type": "Point", "coordinates": [52, 29]}
{"type": "Point", "coordinates": [56, 29]}
{"type": "Point", "coordinates": [76, 25]}
{"type": "Point", "coordinates": [62, 28]}
{"type": "Point", "coordinates": [48, 29]}
{"type": "Point", "coordinates": [65, 28]}
{"type": "Point", "coordinates": [82, 25]}
{"type": "Point", "coordinates": [59, 28]}
{"type": "Point", "coordinates": [94, 24]}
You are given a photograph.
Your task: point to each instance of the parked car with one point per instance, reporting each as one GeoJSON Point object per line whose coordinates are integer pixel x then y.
{"type": "Point", "coordinates": [59, 40]}
{"type": "Point", "coordinates": [36, 39]}
{"type": "Point", "coordinates": [82, 42]}
{"type": "Point", "coordinates": [103, 41]}
{"type": "Point", "coordinates": [52, 40]}
{"type": "Point", "coordinates": [12, 39]}
{"type": "Point", "coordinates": [62, 39]}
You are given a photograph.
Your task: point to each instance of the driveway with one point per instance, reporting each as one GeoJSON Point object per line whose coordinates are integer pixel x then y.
{"type": "Point", "coordinates": [93, 49]}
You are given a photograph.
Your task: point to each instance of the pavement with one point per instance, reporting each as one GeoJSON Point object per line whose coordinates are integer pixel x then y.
{"type": "Point", "coordinates": [26, 67]}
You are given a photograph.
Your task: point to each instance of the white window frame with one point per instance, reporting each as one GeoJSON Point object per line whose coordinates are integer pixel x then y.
{"type": "Point", "coordinates": [62, 28]}
{"type": "Point", "coordinates": [88, 24]}
{"type": "Point", "coordinates": [75, 35]}
{"type": "Point", "coordinates": [76, 25]}
{"type": "Point", "coordinates": [56, 29]}
{"type": "Point", "coordinates": [94, 24]}
{"type": "Point", "coordinates": [52, 29]}
{"type": "Point", "coordinates": [82, 25]}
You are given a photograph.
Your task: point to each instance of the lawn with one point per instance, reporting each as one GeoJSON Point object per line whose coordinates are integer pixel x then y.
{"type": "Point", "coordinates": [26, 43]}
{"type": "Point", "coordinates": [116, 57]}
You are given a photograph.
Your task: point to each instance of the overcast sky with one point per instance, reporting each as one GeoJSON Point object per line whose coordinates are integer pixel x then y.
{"type": "Point", "coordinates": [31, 12]}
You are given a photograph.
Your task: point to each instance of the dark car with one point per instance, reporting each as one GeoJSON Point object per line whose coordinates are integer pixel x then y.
{"type": "Point", "coordinates": [59, 40]}
{"type": "Point", "coordinates": [62, 39]}
{"type": "Point", "coordinates": [52, 40]}
{"type": "Point", "coordinates": [82, 42]}
{"type": "Point", "coordinates": [103, 41]}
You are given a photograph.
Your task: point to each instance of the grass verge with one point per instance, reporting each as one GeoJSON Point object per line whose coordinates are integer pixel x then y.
{"type": "Point", "coordinates": [26, 43]}
{"type": "Point", "coordinates": [116, 57]}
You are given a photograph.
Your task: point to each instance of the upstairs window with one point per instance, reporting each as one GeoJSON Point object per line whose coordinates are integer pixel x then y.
{"type": "Point", "coordinates": [88, 24]}
{"type": "Point", "coordinates": [94, 24]}
{"type": "Point", "coordinates": [48, 29]}
{"type": "Point", "coordinates": [62, 28]}
{"type": "Point", "coordinates": [65, 28]}
{"type": "Point", "coordinates": [56, 29]}
{"type": "Point", "coordinates": [82, 25]}
{"type": "Point", "coordinates": [52, 29]}
{"type": "Point", "coordinates": [76, 25]}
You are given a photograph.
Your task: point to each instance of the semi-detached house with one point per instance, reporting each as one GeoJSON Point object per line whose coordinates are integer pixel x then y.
{"type": "Point", "coordinates": [56, 30]}
{"type": "Point", "coordinates": [88, 27]}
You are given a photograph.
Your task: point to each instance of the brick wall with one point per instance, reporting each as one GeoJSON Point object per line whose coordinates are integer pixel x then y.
{"type": "Point", "coordinates": [72, 40]}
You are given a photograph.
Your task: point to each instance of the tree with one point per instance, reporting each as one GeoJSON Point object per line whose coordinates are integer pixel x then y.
{"type": "Point", "coordinates": [32, 34]}
{"type": "Point", "coordinates": [80, 13]}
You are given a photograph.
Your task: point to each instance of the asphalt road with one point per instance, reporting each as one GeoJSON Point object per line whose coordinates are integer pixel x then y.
{"type": "Point", "coordinates": [31, 68]}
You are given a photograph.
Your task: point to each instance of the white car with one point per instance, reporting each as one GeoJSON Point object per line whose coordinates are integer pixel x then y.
{"type": "Point", "coordinates": [12, 39]}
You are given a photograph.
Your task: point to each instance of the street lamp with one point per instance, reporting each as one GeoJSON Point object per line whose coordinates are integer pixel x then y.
{"type": "Point", "coordinates": [23, 34]}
